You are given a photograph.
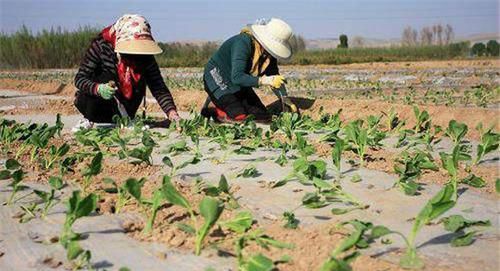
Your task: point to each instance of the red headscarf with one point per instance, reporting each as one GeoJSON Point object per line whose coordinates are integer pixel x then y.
{"type": "Point", "coordinates": [127, 70]}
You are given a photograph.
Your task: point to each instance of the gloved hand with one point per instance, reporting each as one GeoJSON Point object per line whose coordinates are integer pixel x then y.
{"type": "Point", "coordinates": [274, 81]}
{"type": "Point", "coordinates": [287, 102]}
{"type": "Point", "coordinates": [106, 91]}
{"type": "Point", "coordinates": [174, 117]}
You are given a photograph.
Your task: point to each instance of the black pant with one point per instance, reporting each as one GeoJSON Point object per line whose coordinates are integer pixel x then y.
{"type": "Point", "coordinates": [243, 102]}
{"type": "Point", "coordinates": [97, 109]}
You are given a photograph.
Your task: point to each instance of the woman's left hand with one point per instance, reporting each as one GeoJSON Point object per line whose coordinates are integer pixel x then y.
{"type": "Point", "coordinates": [174, 117]}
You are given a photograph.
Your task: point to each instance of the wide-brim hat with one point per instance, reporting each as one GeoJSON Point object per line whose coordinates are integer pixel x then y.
{"type": "Point", "coordinates": [274, 36]}
{"type": "Point", "coordinates": [138, 47]}
{"type": "Point", "coordinates": [133, 36]}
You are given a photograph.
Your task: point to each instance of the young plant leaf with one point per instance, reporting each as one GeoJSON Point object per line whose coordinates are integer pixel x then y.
{"type": "Point", "coordinates": [240, 224]}
{"type": "Point", "coordinates": [172, 195]}
{"type": "Point", "coordinates": [12, 164]}
{"type": "Point", "coordinates": [210, 209]}
{"type": "Point", "coordinates": [463, 240]}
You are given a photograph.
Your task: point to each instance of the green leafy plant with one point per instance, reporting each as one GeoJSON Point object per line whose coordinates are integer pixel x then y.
{"type": "Point", "coordinates": [14, 171]}
{"type": "Point", "coordinates": [222, 191]}
{"type": "Point", "coordinates": [290, 221]}
{"type": "Point", "coordinates": [150, 206]}
{"type": "Point", "coordinates": [54, 154]}
{"type": "Point", "coordinates": [240, 223]}
{"type": "Point", "coordinates": [177, 148]}
{"type": "Point", "coordinates": [288, 123]}
{"type": "Point", "coordinates": [256, 262]}
{"type": "Point", "coordinates": [393, 123]}
{"type": "Point", "coordinates": [489, 143]}
{"type": "Point", "coordinates": [122, 196]}
{"type": "Point", "coordinates": [451, 161]}
{"type": "Point", "coordinates": [248, 172]}
{"type": "Point", "coordinates": [458, 224]}
{"type": "Point", "coordinates": [305, 171]}
{"type": "Point", "coordinates": [337, 150]}
{"type": "Point", "coordinates": [456, 131]}
{"type": "Point", "coordinates": [360, 237]}
{"type": "Point", "coordinates": [435, 207]}
{"type": "Point", "coordinates": [49, 198]}
{"type": "Point", "coordinates": [409, 168]}
{"type": "Point", "coordinates": [78, 257]}
{"type": "Point", "coordinates": [357, 136]}
{"type": "Point", "coordinates": [210, 209]}
{"type": "Point", "coordinates": [77, 207]}
{"type": "Point", "coordinates": [92, 170]}
{"type": "Point", "coordinates": [168, 162]}
{"type": "Point", "coordinates": [423, 120]}
{"type": "Point", "coordinates": [474, 181]}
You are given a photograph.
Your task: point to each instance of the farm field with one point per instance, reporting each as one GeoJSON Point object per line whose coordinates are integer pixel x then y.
{"type": "Point", "coordinates": [394, 166]}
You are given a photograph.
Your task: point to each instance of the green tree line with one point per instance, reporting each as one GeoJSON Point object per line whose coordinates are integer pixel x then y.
{"type": "Point", "coordinates": [58, 48]}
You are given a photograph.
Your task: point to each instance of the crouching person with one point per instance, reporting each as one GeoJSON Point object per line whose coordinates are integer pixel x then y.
{"type": "Point", "coordinates": [117, 67]}
{"type": "Point", "coordinates": [247, 60]}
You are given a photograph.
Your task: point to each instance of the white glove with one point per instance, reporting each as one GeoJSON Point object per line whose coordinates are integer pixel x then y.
{"type": "Point", "coordinates": [274, 81]}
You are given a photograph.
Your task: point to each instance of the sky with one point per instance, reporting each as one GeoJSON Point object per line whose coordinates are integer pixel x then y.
{"type": "Point", "coordinates": [188, 20]}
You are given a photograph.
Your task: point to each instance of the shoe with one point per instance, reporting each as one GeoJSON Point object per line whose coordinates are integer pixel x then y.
{"type": "Point", "coordinates": [82, 124]}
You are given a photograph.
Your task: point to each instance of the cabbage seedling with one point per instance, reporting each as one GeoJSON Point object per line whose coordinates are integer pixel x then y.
{"type": "Point", "coordinates": [93, 169]}
{"type": "Point", "coordinates": [474, 181]}
{"type": "Point", "coordinates": [249, 172]}
{"type": "Point", "coordinates": [423, 120]}
{"type": "Point", "coordinates": [451, 164]}
{"type": "Point", "coordinates": [121, 191]}
{"type": "Point", "coordinates": [409, 168]}
{"type": "Point", "coordinates": [16, 184]}
{"type": "Point", "coordinates": [134, 188]}
{"type": "Point", "coordinates": [54, 154]}
{"type": "Point", "coordinates": [393, 123]}
{"type": "Point", "coordinates": [456, 131]}
{"type": "Point", "coordinates": [48, 198]}
{"type": "Point", "coordinates": [210, 209]}
{"type": "Point", "coordinates": [290, 221]}
{"type": "Point", "coordinates": [259, 261]}
{"type": "Point", "coordinates": [435, 207]}
{"type": "Point", "coordinates": [173, 169]}
{"type": "Point", "coordinates": [337, 150]}
{"type": "Point", "coordinates": [359, 238]}
{"type": "Point", "coordinates": [77, 207]}
{"type": "Point", "coordinates": [221, 191]}
{"type": "Point", "coordinates": [79, 257]}
{"type": "Point", "coordinates": [358, 137]}
{"type": "Point", "coordinates": [489, 143]}
{"type": "Point", "coordinates": [240, 223]}
{"type": "Point", "coordinates": [458, 224]}
{"type": "Point", "coordinates": [176, 148]}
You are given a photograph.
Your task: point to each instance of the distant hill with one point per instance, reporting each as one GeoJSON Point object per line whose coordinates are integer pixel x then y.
{"type": "Point", "coordinates": [329, 43]}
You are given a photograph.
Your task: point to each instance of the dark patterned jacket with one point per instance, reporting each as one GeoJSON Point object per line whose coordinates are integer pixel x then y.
{"type": "Point", "coordinates": [100, 66]}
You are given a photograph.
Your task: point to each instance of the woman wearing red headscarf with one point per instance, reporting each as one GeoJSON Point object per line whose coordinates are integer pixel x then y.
{"type": "Point", "coordinates": [117, 67]}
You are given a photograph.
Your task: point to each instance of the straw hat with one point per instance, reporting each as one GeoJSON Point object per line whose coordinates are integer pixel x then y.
{"type": "Point", "coordinates": [274, 36]}
{"type": "Point", "coordinates": [133, 36]}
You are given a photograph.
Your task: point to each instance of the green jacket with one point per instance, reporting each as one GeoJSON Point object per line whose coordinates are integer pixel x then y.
{"type": "Point", "coordinates": [228, 69]}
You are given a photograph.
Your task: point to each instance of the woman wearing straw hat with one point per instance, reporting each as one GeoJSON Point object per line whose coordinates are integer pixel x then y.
{"type": "Point", "coordinates": [117, 67]}
{"type": "Point", "coordinates": [247, 60]}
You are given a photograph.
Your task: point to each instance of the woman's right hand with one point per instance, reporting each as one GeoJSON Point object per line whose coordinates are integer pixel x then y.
{"type": "Point", "coordinates": [106, 91]}
{"type": "Point", "coordinates": [274, 81]}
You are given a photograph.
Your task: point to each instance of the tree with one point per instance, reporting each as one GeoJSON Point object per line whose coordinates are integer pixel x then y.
{"type": "Point", "coordinates": [448, 34]}
{"type": "Point", "coordinates": [358, 41]}
{"type": "Point", "coordinates": [492, 48]}
{"type": "Point", "coordinates": [298, 43]}
{"type": "Point", "coordinates": [343, 41]}
{"type": "Point", "coordinates": [409, 37]}
{"type": "Point", "coordinates": [478, 49]}
{"type": "Point", "coordinates": [439, 32]}
{"type": "Point", "coordinates": [426, 36]}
